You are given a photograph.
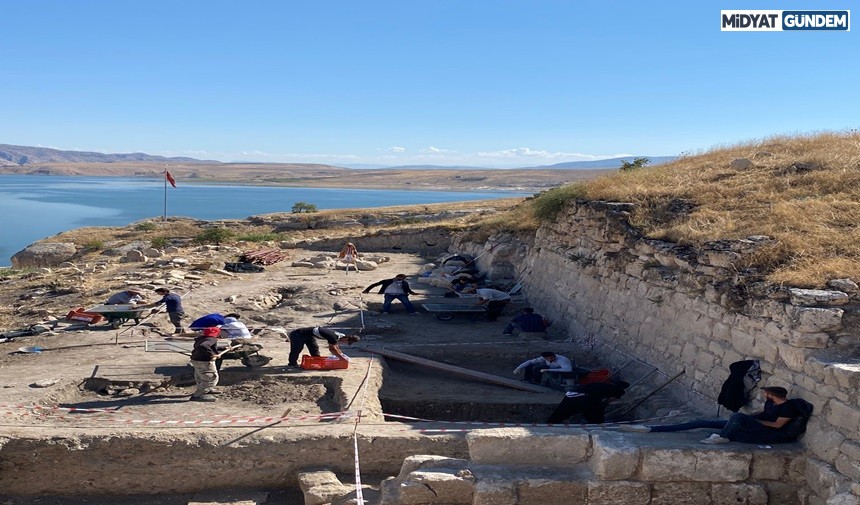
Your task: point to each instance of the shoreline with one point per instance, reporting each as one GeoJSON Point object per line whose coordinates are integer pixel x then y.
{"type": "Point", "coordinates": [515, 192]}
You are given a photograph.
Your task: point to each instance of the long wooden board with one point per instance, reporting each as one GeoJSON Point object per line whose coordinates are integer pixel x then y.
{"type": "Point", "coordinates": [465, 372]}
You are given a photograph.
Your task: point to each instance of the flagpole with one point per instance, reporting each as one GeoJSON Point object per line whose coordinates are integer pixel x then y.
{"type": "Point", "coordinates": [164, 217]}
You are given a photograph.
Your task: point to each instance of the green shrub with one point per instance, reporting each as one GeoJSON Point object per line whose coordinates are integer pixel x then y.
{"type": "Point", "coordinates": [626, 166]}
{"type": "Point", "coordinates": [215, 236]}
{"type": "Point", "coordinates": [159, 242]}
{"type": "Point", "coordinates": [548, 204]}
{"type": "Point", "coordinates": [147, 226]}
{"type": "Point", "coordinates": [93, 246]}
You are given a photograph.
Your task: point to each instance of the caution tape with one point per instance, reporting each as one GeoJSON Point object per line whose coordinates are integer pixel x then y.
{"type": "Point", "coordinates": [533, 425]}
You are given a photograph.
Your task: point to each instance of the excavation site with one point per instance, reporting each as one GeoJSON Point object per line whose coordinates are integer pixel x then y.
{"type": "Point", "coordinates": [435, 405]}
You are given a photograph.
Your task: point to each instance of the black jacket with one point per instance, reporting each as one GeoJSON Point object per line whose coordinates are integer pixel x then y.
{"type": "Point", "coordinates": [734, 393]}
{"type": "Point", "coordinates": [387, 282]}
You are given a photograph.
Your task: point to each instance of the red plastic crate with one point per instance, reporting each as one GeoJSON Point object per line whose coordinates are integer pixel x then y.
{"type": "Point", "coordinates": [599, 375]}
{"type": "Point", "coordinates": [321, 363]}
{"type": "Point", "coordinates": [80, 315]}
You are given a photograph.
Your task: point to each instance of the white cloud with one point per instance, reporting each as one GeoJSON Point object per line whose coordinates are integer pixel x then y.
{"type": "Point", "coordinates": [436, 150]}
{"type": "Point", "coordinates": [397, 149]}
{"type": "Point", "coordinates": [526, 152]}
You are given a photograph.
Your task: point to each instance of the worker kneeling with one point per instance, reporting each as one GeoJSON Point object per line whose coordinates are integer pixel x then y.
{"type": "Point", "coordinates": [590, 399]}
{"type": "Point", "coordinates": [308, 336]}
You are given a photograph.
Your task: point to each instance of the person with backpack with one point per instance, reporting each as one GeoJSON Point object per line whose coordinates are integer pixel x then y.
{"type": "Point", "coordinates": [782, 421]}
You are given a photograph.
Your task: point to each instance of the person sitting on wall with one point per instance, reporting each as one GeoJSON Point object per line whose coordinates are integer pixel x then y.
{"type": "Point", "coordinates": [534, 368]}
{"type": "Point", "coordinates": [527, 322]}
{"type": "Point", "coordinates": [782, 421]}
{"type": "Point", "coordinates": [590, 399]}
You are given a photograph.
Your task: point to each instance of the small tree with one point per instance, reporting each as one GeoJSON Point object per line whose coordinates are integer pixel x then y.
{"type": "Point", "coordinates": [301, 207]}
{"type": "Point", "coordinates": [626, 166]}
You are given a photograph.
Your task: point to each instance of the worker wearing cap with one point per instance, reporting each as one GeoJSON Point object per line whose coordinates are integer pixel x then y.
{"type": "Point", "coordinates": [203, 357]}
{"type": "Point", "coordinates": [308, 337]}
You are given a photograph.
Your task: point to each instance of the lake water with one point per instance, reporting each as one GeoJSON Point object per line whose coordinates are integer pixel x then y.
{"type": "Point", "coordinates": [33, 207]}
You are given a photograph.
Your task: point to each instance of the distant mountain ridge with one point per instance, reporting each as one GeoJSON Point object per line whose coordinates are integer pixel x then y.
{"type": "Point", "coordinates": [12, 155]}
{"type": "Point", "coordinates": [25, 155]}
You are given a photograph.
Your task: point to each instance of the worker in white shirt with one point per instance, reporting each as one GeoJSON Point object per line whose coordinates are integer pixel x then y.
{"type": "Point", "coordinates": [494, 299]}
{"type": "Point", "coordinates": [533, 369]}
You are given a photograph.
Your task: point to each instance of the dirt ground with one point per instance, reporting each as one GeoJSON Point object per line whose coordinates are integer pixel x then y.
{"type": "Point", "coordinates": [109, 370]}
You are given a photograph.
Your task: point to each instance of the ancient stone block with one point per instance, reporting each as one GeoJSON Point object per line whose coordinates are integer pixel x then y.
{"type": "Point", "coordinates": [614, 493]}
{"type": "Point", "coordinates": [846, 375]}
{"type": "Point", "coordinates": [327, 493]}
{"type": "Point", "coordinates": [769, 466]}
{"type": "Point", "coordinates": [824, 480]}
{"type": "Point", "coordinates": [808, 340]}
{"type": "Point", "coordinates": [843, 416]}
{"type": "Point", "coordinates": [738, 494]}
{"type": "Point", "coordinates": [425, 461]}
{"type": "Point", "coordinates": [680, 493]}
{"type": "Point", "coordinates": [552, 491]}
{"type": "Point", "coordinates": [495, 490]}
{"type": "Point", "coordinates": [698, 465]}
{"type": "Point", "coordinates": [844, 499]}
{"type": "Point", "coordinates": [844, 285]}
{"type": "Point", "coordinates": [743, 342]}
{"type": "Point", "coordinates": [43, 254]}
{"type": "Point", "coordinates": [813, 319]}
{"type": "Point", "coordinates": [546, 448]}
{"type": "Point", "coordinates": [793, 357]}
{"type": "Point", "coordinates": [781, 493]}
{"type": "Point", "coordinates": [848, 466]}
{"type": "Point", "coordinates": [804, 297]}
{"type": "Point", "coordinates": [437, 487]}
{"type": "Point", "coordinates": [822, 439]}
{"type": "Point", "coordinates": [614, 457]}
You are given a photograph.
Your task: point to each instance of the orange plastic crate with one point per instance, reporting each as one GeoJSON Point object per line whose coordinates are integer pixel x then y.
{"type": "Point", "coordinates": [321, 363]}
{"type": "Point", "coordinates": [87, 317]}
{"type": "Point", "coordinates": [599, 375]}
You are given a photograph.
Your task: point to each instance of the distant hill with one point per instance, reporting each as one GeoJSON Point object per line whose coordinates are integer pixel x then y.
{"type": "Point", "coordinates": [607, 163]}
{"type": "Point", "coordinates": [611, 162]}
{"type": "Point", "coordinates": [24, 155]}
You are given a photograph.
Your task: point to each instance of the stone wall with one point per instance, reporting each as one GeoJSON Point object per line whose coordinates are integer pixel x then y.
{"type": "Point", "coordinates": [680, 307]}
{"type": "Point", "coordinates": [543, 466]}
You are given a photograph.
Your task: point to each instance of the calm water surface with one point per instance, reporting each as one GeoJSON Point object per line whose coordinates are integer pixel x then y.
{"type": "Point", "coordinates": [33, 207]}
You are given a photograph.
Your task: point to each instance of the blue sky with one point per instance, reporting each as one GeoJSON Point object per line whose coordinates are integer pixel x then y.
{"type": "Point", "coordinates": [499, 83]}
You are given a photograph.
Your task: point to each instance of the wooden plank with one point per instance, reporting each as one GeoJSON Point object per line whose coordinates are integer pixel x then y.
{"type": "Point", "coordinates": [456, 370]}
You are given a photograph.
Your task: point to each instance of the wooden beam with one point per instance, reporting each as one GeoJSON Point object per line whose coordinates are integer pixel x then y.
{"type": "Point", "coordinates": [456, 370]}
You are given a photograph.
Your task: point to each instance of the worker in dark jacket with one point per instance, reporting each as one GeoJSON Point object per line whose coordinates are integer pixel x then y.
{"type": "Point", "coordinates": [394, 289]}
{"type": "Point", "coordinates": [308, 336]}
{"type": "Point", "coordinates": [590, 399]}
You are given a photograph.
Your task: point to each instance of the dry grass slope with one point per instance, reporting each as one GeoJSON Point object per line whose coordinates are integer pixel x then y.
{"type": "Point", "coordinates": [803, 191]}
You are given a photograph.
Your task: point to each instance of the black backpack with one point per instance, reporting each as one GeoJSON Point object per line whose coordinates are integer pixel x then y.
{"type": "Point", "coordinates": [797, 426]}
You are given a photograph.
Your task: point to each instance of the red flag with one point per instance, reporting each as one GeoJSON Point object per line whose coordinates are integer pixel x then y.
{"type": "Point", "coordinates": [170, 178]}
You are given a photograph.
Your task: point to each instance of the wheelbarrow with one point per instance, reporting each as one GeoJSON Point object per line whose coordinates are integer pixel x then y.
{"type": "Point", "coordinates": [119, 314]}
{"type": "Point", "coordinates": [447, 311]}
{"type": "Point", "coordinates": [248, 353]}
